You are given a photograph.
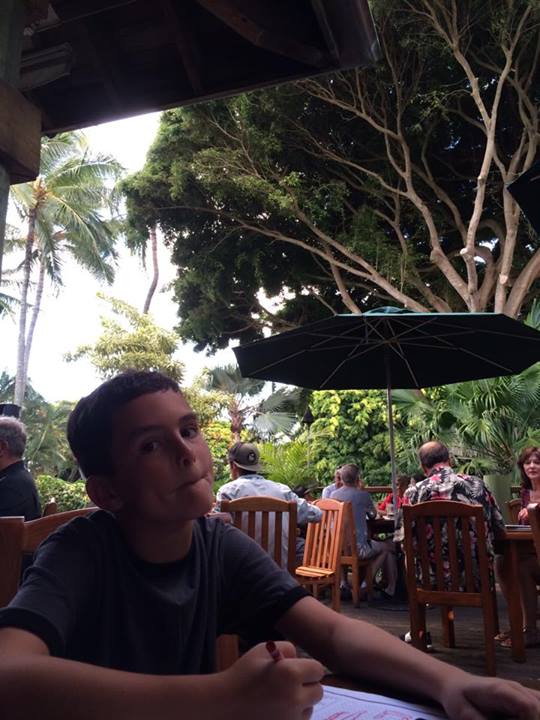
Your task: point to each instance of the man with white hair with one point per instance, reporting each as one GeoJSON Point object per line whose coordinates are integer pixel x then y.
{"type": "Point", "coordinates": [18, 492]}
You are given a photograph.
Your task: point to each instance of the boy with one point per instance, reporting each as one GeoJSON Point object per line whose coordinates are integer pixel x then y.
{"type": "Point", "coordinates": [122, 605]}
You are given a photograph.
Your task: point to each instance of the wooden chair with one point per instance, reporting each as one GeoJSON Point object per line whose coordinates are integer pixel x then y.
{"type": "Point", "coordinates": [360, 569]}
{"type": "Point", "coordinates": [426, 582]}
{"type": "Point", "coordinates": [50, 507]}
{"type": "Point", "coordinates": [322, 553]}
{"type": "Point", "coordinates": [262, 518]}
{"type": "Point", "coordinates": [18, 538]}
{"type": "Point", "coordinates": [514, 506]}
{"type": "Point", "coordinates": [534, 520]}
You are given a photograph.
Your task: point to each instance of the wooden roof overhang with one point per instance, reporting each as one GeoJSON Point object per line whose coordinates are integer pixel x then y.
{"type": "Point", "coordinates": [91, 61]}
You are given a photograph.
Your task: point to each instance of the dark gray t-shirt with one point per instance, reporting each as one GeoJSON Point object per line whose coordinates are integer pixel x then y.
{"type": "Point", "coordinates": [89, 598]}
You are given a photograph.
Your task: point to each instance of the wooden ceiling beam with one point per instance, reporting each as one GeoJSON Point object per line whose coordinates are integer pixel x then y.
{"type": "Point", "coordinates": [98, 52]}
{"type": "Point", "coordinates": [235, 16]}
{"type": "Point", "coordinates": [184, 42]}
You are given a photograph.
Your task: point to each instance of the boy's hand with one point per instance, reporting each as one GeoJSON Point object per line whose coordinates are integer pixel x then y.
{"type": "Point", "coordinates": [258, 686]}
{"type": "Point", "coordinates": [469, 697]}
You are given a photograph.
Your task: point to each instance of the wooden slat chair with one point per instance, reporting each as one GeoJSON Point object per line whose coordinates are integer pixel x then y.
{"type": "Point", "coordinates": [50, 508]}
{"type": "Point", "coordinates": [322, 553]}
{"type": "Point", "coordinates": [264, 518]}
{"type": "Point", "coordinates": [514, 506]}
{"type": "Point", "coordinates": [18, 538]}
{"type": "Point", "coordinates": [360, 569]}
{"type": "Point", "coordinates": [534, 520]}
{"type": "Point", "coordinates": [467, 587]}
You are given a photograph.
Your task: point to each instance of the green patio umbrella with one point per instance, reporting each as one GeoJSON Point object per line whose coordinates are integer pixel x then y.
{"type": "Point", "coordinates": [392, 348]}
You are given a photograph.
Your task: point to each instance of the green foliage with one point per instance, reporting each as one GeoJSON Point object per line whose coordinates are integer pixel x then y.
{"type": "Point", "coordinates": [47, 449]}
{"type": "Point", "coordinates": [289, 463]}
{"type": "Point", "coordinates": [351, 427]}
{"type": "Point", "coordinates": [219, 439]}
{"type": "Point", "coordinates": [485, 422]}
{"type": "Point", "coordinates": [134, 342]}
{"type": "Point", "coordinates": [68, 495]}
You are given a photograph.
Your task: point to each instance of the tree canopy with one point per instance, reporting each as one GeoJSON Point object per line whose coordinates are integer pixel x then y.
{"type": "Point", "coordinates": [384, 185]}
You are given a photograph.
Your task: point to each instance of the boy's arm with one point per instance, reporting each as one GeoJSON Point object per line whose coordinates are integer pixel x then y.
{"type": "Point", "coordinates": [255, 686]}
{"type": "Point", "coordinates": [358, 649]}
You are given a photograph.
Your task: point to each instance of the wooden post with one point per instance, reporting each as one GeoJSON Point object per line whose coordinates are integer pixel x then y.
{"type": "Point", "coordinates": [12, 14]}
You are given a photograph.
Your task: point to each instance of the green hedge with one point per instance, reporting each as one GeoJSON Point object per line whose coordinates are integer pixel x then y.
{"type": "Point", "coordinates": [68, 495]}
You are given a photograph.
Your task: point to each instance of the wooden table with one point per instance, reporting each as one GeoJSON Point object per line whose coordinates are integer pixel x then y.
{"type": "Point", "coordinates": [512, 541]}
{"type": "Point", "coordinates": [380, 525]}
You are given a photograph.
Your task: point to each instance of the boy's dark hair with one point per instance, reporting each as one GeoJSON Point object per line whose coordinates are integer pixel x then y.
{"type": "Point", "coordinates": [89, 428]}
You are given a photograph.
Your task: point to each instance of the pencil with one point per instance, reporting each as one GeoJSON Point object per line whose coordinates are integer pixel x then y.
{"type": "Point", "coordinates": [273, 651]}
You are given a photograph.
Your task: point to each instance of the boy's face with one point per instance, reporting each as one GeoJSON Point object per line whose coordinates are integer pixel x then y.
{"type": "Point", "coordinates": [163, 467]}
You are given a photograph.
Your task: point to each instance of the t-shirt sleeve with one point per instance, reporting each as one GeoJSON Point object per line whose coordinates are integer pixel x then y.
{"type": "Point", "coordinates": [256, 591]}
{"type": "Point", "coordinates": [55, 589]}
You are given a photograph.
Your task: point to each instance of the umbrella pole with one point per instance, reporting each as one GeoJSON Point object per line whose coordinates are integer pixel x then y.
{"type": "Point", "coordinates": [392, 445]}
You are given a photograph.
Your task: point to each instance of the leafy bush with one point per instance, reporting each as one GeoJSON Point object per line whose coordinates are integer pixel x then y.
{"type": "Point", "coordinates": [288, 463]}
{"type": "Point", "coordinates": [68, 495]}
{"type": "Point", "coordinates": [219, 438]}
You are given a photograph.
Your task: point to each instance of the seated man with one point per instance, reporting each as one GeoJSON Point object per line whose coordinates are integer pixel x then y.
{"type": "Point", "coordinates": [382, 553]}
{"type": "Point", "coordinates": [119, 614]}
{"type": "Point", "coordinates": [329, 489]}
{"type": "Point", "coordinates": [245, 467]}
{"type": "Point", "coordinates": [442, 483]}
{"type": "Point", "coordinates": [18, 492]}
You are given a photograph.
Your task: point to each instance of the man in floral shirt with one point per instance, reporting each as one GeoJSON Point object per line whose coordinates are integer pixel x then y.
{"type": "Point", "coordinates": [442, 483]}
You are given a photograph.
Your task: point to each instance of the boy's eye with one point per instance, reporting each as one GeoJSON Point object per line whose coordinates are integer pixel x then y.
{"type": "Point", "coordinates": [190, 432]}
{"type": "Point", "coordinates": [149, 446]}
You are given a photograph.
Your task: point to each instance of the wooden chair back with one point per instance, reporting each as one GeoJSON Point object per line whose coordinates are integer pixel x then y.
{"type": "Point", "coordinates": [534, 520]}
{"type": "Point", "coordinates": [360, 569]}
{"type": "Point", "coordinates": [445, 567]}
{"type": "Point", "coordinates": [271, 522]}
{"type": "Point", "coordinates": [514, 506]}
{"type": "Point", "coordinates": [321, 564]}
{"type": "Point", "coordinates": [50, 508]}
{"type": "Point", "coordinates": [18, 538]}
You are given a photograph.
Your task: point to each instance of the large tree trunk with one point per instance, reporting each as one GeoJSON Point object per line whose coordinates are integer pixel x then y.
{"type": "Point", "coordinates": [20, 376]}
{"type": "Point", "coordinates": [35, 313]}
{"type": "Point", "coordinates": [155, 266]}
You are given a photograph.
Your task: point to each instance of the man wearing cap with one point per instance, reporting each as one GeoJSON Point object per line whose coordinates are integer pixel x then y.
{"type": "Point", "coordinates": [18, 493]}
{"type": "Point", "coordinates": [245, 467]}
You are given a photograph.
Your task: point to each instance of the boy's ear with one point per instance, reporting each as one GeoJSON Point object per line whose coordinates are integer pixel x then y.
{"type": "Point", "coordinates": [101, 491]}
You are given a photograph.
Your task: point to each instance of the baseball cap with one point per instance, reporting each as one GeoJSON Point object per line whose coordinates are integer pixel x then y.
{"type": "Point", "coordinates": [246, 456]}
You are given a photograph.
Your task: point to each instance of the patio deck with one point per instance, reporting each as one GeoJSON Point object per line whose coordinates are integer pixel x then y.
{"type": "Point", "coordinates": [469, 653]}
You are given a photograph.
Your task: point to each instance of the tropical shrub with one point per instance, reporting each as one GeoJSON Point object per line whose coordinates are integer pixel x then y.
{"type": "Point", "coordinates": [351, 427]}
{"type": "Point", "coordinates": [288, 463]}
{"type": "Point", "coordinates": [219, 438]}
{"type": "Point", "coordinates": [68, 495]}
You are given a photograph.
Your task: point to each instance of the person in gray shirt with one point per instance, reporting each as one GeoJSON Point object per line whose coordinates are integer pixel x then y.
{"type": "Point", "coordinates": [382, 553]}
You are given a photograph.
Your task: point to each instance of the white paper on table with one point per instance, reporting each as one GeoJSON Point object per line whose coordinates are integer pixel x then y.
{"type": "Point", "coordinates": [340, 704]}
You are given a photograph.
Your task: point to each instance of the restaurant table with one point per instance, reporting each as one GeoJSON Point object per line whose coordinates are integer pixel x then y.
{"type": "Point", "coordinates": [512, 541]}
{"type": "Point", "coordinates": [351, 683]}
{"type": "Point", "coordinates": [381, 525]}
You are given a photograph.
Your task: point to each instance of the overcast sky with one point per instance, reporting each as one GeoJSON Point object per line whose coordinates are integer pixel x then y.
{"type": "Point", "coordinates": [72, 317]}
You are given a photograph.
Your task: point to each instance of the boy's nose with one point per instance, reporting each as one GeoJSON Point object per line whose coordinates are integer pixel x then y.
{"type": "Point", "coordinates": [184, 451]}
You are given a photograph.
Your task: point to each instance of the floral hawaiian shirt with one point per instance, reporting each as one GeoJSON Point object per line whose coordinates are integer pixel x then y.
{"type": "Point", "coordinates": [444, 484]}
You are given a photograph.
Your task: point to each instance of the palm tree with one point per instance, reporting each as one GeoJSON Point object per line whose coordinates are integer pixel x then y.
{"type": "Point", "coordinates": [67, 209]}
{"type": "Point", "coordinates": [487, 422]}
{"type": "Point", "coordinates": [267, 417]}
